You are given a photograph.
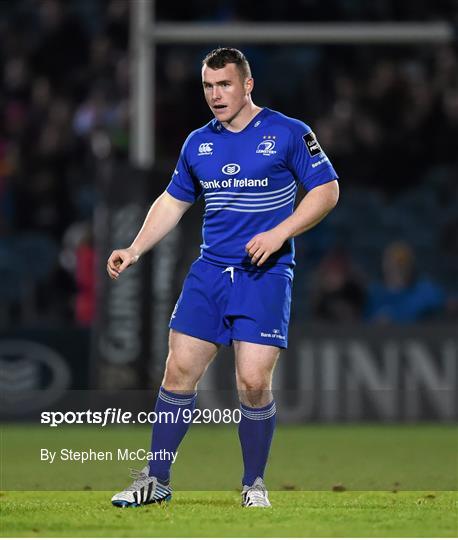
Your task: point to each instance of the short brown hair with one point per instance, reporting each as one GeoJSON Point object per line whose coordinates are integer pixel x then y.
{"type": "Point", "coordinates": [218, 58]}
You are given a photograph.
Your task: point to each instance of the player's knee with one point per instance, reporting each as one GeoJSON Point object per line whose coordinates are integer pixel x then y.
{"type": "Point", "coordinates": [179, 376]}
{"type": "Point", "coordinates": [253, 384]}
{"type": "Point", "coordinates": [254, 389]}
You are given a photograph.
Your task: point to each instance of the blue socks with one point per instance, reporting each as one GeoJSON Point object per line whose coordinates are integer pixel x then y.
{"type": "Point", "coordinates": [256, 430]}
{"type": "Point", "coordinates": [168, 432]}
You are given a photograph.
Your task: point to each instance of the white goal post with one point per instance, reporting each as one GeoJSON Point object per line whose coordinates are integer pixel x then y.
{"type": "Point", "coordinates": [145, 34]}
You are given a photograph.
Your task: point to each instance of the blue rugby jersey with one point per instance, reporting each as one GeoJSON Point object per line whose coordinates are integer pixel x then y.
{"type": "Point", "coordinates": [249, 181]}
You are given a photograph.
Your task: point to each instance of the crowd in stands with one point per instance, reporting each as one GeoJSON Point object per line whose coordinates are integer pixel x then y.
{"type": "Point", "coordinates": [309, 10]}
{"type": "Point", "coordinates": [386, 115]}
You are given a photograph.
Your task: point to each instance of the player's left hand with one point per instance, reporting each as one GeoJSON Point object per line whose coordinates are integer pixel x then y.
{"type": "Point", "coordinates": [261, 246]}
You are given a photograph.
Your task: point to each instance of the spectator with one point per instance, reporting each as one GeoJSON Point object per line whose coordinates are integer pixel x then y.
{"type": "Point", "coordinates": [404, 296]}
{"type": "Point", "coordinates": [85, 280]}
{"type": "Point", "coordinates": [338, 291]}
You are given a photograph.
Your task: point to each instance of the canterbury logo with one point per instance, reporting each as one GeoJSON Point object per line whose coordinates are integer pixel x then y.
{"type": "Point", "coordinates": [206, 149]}
{"type": "Point", "coordinates": [231, 168]}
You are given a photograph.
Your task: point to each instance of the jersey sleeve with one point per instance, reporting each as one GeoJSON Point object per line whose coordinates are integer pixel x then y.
{"type": "Point", "coordinates": [184, 185]}
{"type": "Point", "coordinates": [308, 163]}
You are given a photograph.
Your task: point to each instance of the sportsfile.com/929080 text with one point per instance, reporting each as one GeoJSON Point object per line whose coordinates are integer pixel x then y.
{"type": "Point", "coordinates": [112, 416]}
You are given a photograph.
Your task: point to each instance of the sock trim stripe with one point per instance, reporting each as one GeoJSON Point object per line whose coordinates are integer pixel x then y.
{"type": "Point", "coordinates": [261, 415]}
{"type": "Point", "coordinates": [259, 411]}
{"type": "Point", "coordinates": [256, 410]}
{"type": "Point", "coordinates": [265, 417]}
{"type": "Point", "coordinates": [175, 401]}
{"type": "Point", "coordinates": [176, 397]}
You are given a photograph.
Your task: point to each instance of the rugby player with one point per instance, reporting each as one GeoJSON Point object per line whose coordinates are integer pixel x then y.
{"type": "Point", "coordinates": [246, 163]}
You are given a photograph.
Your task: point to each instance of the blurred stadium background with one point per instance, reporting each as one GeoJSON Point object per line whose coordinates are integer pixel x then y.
{"type": "Point", "coordinates": [373, 334]}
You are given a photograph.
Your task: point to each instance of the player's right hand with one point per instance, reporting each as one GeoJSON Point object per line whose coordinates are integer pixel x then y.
{"type": "Point", "coordinates": [121, 259]}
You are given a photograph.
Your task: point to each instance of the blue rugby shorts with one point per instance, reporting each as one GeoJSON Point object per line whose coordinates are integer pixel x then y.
{"type": "Point", "coordinates": [221, 304]}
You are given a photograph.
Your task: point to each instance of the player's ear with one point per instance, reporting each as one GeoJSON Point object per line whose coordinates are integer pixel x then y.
{"type": "Point", "coordinates": [249, 85]}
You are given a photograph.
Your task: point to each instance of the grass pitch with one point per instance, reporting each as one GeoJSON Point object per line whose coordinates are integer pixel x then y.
{"type": "Point", "coordinates": [341, 480]}
{"type": "Point", "coordinates": [80, 514]}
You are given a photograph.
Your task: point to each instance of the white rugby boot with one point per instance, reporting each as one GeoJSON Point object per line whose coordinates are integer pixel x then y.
{"type": "Point", "coordinates": [256, 495]}
{"type": "Point", "coordinates": [144, 489]}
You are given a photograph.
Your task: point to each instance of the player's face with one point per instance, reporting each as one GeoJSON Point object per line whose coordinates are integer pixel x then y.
{"type": "Point", "coordinates": [225, 91]}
